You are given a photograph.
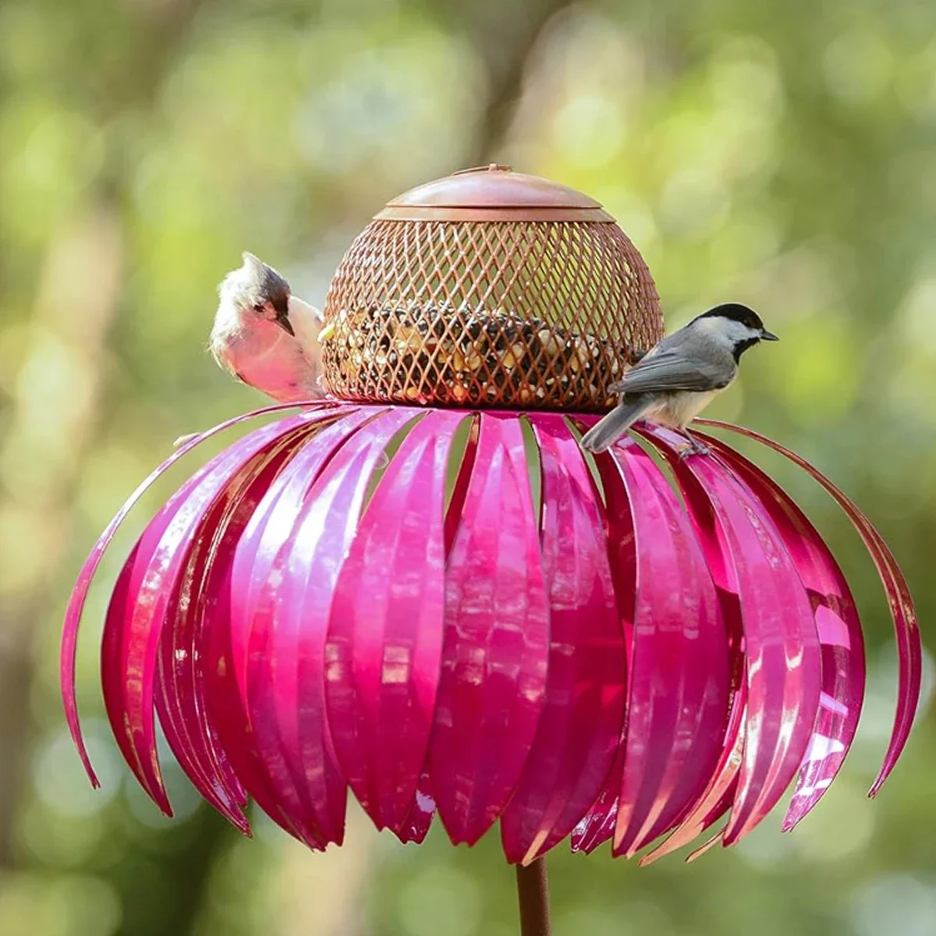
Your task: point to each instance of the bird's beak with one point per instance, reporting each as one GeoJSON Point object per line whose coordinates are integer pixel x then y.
{"type": "Point", "coordinates": [768, 336]}
{"type": "Point", "coordinates": [282, 319]}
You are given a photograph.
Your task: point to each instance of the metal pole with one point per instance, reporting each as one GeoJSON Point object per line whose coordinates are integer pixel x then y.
{"type": "Point", "coordinates": [533, 896]}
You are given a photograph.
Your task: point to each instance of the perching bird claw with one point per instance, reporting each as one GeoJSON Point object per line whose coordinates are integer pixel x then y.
{"type": "Point", "coordinates": [693, 447]}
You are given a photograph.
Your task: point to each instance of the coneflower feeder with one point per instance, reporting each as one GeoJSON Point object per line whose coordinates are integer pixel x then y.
{"type": "Point", "coordinates": [425, 592]}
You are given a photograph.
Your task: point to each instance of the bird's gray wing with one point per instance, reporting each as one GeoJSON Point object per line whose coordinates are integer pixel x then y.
{"type": "Point", "coordinates": [666, 371]}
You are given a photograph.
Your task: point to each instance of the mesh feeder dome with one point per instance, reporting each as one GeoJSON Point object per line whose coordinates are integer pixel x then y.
{"type": "Point", "coordinates": [488, 288]}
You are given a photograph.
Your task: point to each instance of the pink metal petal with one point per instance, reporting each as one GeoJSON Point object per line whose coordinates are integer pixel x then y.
{"type": "Point", "coordinates": [240, 570]}
{"type": "Point", "coordinates": [583, 717]}
{"type": "Point", "coordinates": [113, 676]}
{"type": "Point", "coordinates": [678, 697]}
{"type": "Point", "coordinates": [705, 847]}
{"type": "Point", "coordinates": [384, 646]}
{"type": "Point", "coordinates": [598, 824]}
{"type": "Point", "coordinates": [839, 627]}
{"type": "Point", "coordinates": [903, 612]}
{"type": "Point", "coordinates": [226, 708]}
{"type": "Point", "coordinates": [270, 526]}
{"type": "Point", "coordinates": [85, 576]}
{"type": "Point", "coordinates": [781, 642]}
{"type": "Point", "coordinates": [137, 610]}
{"type": "Point", "coordinates": [459, 478]}
{"type": "Point", "coordinates": [496, 646]}
{"type": "Point", "coordinates": [279, 789]}
{"type": "Point", "coordinates": [718, 796]}
{"type": "Point", "coordinates": [416, 826]}
{"type": "Point", "coordinates": [286, 664]}
{"type": "Point", "coordinates": [180, 699]}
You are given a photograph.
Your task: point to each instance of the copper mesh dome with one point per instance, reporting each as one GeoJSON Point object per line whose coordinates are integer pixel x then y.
{"type": "Point", "coordinates": [488, 288]}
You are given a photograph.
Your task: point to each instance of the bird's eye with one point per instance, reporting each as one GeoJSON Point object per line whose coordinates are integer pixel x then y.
{"type": "Point", "coordinates": [258, 307]}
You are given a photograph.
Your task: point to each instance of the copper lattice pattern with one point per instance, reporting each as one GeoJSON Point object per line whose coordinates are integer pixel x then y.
{"type": "Point", "coordinates": [525, 314]}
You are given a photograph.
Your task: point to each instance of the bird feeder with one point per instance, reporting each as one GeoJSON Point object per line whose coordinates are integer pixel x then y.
{"type": "Point", "coordinates": [493, 289]}
{"type": "Point", "coordinates": [425, 593]}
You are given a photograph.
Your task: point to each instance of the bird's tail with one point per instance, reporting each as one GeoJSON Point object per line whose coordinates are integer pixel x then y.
{"type": "Point", "coordinates": [608, 430]}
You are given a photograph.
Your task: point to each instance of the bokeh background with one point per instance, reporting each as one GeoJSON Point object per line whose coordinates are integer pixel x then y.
{"type": "Point", "coordinates": [780, 153]}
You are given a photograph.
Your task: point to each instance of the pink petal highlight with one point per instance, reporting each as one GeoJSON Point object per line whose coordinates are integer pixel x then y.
{"type": "Point", "coordinates": [496, 644]}
{"type": "Point", "coordinates": [383, 651]}
{"type": "Point", "coordinates": [583, 717]}
{"type": "Point", "coordinates": [903, 612]}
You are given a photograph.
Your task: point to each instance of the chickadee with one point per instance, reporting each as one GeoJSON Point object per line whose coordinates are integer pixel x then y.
{"type": "Point", "coordinates": [674, 381]}
{"type": "Point", "coordinates": [265, 336]}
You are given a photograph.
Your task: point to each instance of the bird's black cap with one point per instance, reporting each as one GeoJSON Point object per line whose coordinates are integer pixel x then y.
{"type": "Point", "coordinates": [736, 312]}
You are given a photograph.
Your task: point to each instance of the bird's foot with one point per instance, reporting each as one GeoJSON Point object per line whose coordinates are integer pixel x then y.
{"type": "Point", "coordinates": [693, 447]}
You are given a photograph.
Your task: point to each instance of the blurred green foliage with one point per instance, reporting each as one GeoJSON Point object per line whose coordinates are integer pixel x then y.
{"type": "Point", "coordinates": [777, 153]}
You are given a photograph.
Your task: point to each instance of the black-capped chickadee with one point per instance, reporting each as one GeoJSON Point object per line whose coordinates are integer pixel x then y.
{"type": "Point", "coordinates": [267, 337]}
{"type": "Point", "coordinates": [674, 381]}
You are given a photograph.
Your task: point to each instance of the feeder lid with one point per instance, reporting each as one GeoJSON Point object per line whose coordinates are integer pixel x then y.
{"type": "Point", "coordinates": [493, 193]}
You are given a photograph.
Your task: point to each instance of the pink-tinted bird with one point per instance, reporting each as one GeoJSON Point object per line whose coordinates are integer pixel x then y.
{"type": "Point", "coordinates": [265, 336]}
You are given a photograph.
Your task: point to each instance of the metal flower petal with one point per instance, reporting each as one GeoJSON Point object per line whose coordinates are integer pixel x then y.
{"type": "Point", "coordinates": [782, 659]}
{"type": "Point", "coordinates": [902, 609]}
{"type": "Point", "coordinates": [583, 717]}
{"type": "Point", "coordinates": [461, 612]}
